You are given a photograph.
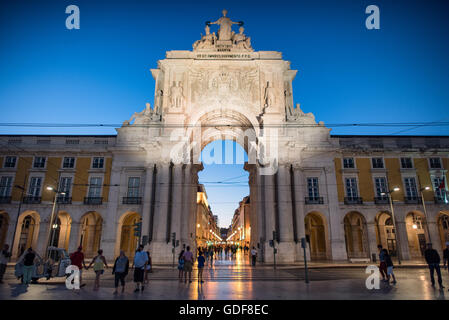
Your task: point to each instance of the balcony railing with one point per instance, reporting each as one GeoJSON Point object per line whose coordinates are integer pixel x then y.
{"type": "Point", "coordinates": [4, 200]}
{"type": "Point", "coordinates": [132, 200]}
{"type": "Point", "coordinates": [64, 200]}
{"type": "Point", "coordinates": [314, 200]}
{"type": "Point", "coordinates": [440, 200]}
{"type": "Point", "coordinates": [353, 200]}
{"type": "Point", "coordinates": [93, 200]}
{"type": "Point", "coordinates": [412, 199]}
{"type": "Point", "coordinates": [381, 200]}
{"type": "Point", "coordinates": [31, 200]}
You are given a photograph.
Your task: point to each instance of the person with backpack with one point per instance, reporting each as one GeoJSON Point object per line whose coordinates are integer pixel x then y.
{"type": "Point", "coordinates": [120, 270]}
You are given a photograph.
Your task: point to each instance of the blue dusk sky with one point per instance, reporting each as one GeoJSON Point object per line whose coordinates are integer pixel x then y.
{"type": "Point", "coordinates": [346, 73]}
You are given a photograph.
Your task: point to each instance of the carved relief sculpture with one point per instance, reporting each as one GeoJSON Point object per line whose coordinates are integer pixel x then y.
{"type": "Point", "coordinates": [176, 95]}
{"type": "Point", "coordinates": [270, 96]}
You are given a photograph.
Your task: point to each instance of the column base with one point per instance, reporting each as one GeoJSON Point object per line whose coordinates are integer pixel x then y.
{"type": "Point", "coordinates": [161, 252]}
{"type": "Point", "coordinates": [286, 253]}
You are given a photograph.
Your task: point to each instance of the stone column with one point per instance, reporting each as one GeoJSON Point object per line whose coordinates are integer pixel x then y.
{"type": "Point", "coordinates": [111, 217]}
{"type": "Point", "coordinates": [193, 205]}
{"type": "Point", "coordinates": [435, 236]}
{"type": "Point", "coordinates": [335, 217]}
{"type": "Point", "coordinates": [372, 239]}
{"type": "Point", "coordinates": [146, 204]}
{"type": "Point", "coordinates": [186, 198]}
{"type": "Point", "coordinates": [261, 216]}
{"type": "Point", "coordinates": [269, 197]}
{"type": "Point", "coordinates": [401, 234]}
{"type": "Point", "coordinates": [42, 236]}
{"type": "Point", "coordinates": [177, 204]}
{"type": "Point", "coordinates": [74, 238]}
{"type": "Point", "coordinates": [286, 247]}
{"type": "Point", "coordinates": [300, 211]}
{"type": "Point", "coordinates": [253, 190]}
{"type": "Point", "coordinates": [159, 246]}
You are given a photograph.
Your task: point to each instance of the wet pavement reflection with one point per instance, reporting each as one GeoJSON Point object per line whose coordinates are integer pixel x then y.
{"type": "Point", "coordinates": [233, 278]}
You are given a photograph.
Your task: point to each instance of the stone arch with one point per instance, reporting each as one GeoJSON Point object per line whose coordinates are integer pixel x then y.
{"type": "Point", "coordinates": [90, 235]}
{"type": "Point", "coordinates": [4, 226]}
{"type": "Point", "coordinates": [356, 239]}
{"type": "Point", "coordinates": [443, 227]}
{"type": "Point", "coordinates": [416, 226]}
{"type": "Point", "coordinates": [126, 240]}
{"type": "Point", "coordinates": [316, 235]}
{"type": "Point", "coordinates": [27, 232]}
{"type": "Point", "coordinates": [385, 232]}
{"type": "Point", "coordinates": [60, 231]}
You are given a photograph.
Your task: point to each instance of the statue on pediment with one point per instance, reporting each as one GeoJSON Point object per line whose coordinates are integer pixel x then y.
{"type": "Point", "coordinates": [225, 31]}
{"type": "Point", "coordinates": [297, 115]}
{"type": "Point", "coordinates": [241, 41]}
{"type": "Point", "coordinates": [207, 41]}
{"type": "Point", "coordinates": [144, 117]}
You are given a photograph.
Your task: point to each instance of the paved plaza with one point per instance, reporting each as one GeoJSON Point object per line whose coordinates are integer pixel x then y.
{"type": "Point", "coordinates": [229, 279]}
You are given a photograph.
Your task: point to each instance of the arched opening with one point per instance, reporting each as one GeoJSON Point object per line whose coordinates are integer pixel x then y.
{"type": "Point", "coordinates": [223, 214]}
{"type": "Point", "coordinates": [91, 228]}
{"type": "Point", "coordinates": [27, 232]}
{"type": "Point", "coordinates": [60, 231]}
{"type": "Point", "coordinates": [386, 233]}
{"type": "Point", "coordinates": [315, 229]}
{"type": "Point", "coordinates": [356, 235]}
{"type": "Point", "coordinates": [443, 227]}
{"type": "Point", "coordinates": [415, 223]}
{"type": "Point", "coordinates": [4, 224]}
{"type": "Point", "coordinates": [128, 241]}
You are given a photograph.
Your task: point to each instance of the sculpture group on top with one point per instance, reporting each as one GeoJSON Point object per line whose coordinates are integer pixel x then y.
{"type": "Point", "coordinates": [225, 37]}
{"type": "Point", "coordinates": [147, 116]}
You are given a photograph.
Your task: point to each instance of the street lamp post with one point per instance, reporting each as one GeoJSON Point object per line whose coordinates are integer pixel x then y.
{"type": "Point", "coordinates": [52, 217]}
{"type": "Point", "coordinates": [398, 246]}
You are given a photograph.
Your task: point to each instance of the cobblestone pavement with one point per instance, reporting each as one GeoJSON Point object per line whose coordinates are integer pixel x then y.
{"type": "Point", "coordinates": [234, 280]}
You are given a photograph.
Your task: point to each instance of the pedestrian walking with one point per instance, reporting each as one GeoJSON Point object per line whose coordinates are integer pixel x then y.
{"type": "Point", "coordinates": [201, 262]}
{"type": "Point", "coordinates": [253, 256]}
{"type": "Point", "coordinates": [211, 256]}
{"type": "Point", "coordinates": [4, 258]}
{"type": "Point", "coordinates": [188, 264]}
{"type": "Point", "coordinates": [433, 261]}
{"type": "Point", "coordinates": [28, 265]}
{"type": "Point", "coordinates": [120, 270]}
{"type": "Point", "coordinates": [389, 264]}
{"type": "Point", "coordinates": [99, 262]}
{"type": "Point", "coordinates": [77, 259]}
{"type": "Point", "coordinates": [148, 267]}
{"type": "Point", "coordinates": [140, 263]}
{"type": "Point", "coordinates": [382, 264]}
{"type": "Point", "coordinates": [181, 265]}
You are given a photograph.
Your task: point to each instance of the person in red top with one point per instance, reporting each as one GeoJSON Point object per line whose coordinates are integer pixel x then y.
{"type": "Point", "coordinates": [77, 259]}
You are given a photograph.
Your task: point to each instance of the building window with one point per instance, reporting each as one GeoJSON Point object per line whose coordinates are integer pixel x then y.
{"type": "Point", "coordinates": [351, 187]}
{"type": "Point", "coordinates": [381, 186]}
{"type": "Point", "coordinates": [5, 186]}
{"type": "Point", "coordinates": [410, 188]}
{"type": "Point", "coordinates": [133, 187]}
{"type": "Point", "coordinates": [10, 162]}
{"type": "Point", "coordinates": [435, 163]}
{"type": "Point", "coordinates": [95, 187]}
{"type": "Point", "coordinates": [39, 162]}
{"type": "Point", "coordinates": [439, 187]}
{"type": "Point", "coordinates": [65, 185]}
{"type": "Point", "coordinates": [98, 163]}
{"type": "Point", "coordinates": [312, 186]}
{"type": "Point", "coordinates": [35, 187]}
{"type": "Point", "coordinates": [406, 163]}
{"type": "Point", "coordinates": [68, 163]}
{"type": "Point", "coordinates": [348, 163]}
{"type": "Point", "coordinates": [378, 163]}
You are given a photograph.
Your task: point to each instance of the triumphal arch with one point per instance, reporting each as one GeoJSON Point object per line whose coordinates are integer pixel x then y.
{"type": "Point", "coordinates": [224, 89]}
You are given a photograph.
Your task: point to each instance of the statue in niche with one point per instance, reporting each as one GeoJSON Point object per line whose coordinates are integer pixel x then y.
{"type": "Point", "coordinates": [270, 96]}
{"type": "Point", "coordinates": [207, 41]}
{"type": "Point", "coordinates": [144, 117]}
{"type": "Point", "coordinates": [158, 101]}
{"type": "Point", "coordinates": [225, 31]}
{"type": "Point", "coordinates": [288, 101]}
{"type": "Point", "coordinates": [176, 95]}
